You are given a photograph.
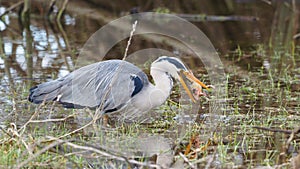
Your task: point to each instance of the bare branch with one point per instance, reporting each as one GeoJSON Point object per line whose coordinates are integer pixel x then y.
{"type": "Point", "coordinates": [187, 161]}
{"type": "Point", "coordinates": [12, 7]}
{"type": "Point", "coordinates": [22, 164]}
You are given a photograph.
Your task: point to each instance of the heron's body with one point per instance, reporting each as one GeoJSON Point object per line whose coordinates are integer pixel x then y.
{"type": "Point", "coordinates": [112, 86]}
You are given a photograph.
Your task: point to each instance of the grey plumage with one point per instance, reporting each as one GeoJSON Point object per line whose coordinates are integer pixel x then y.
{"type": "Point", "coordinates": [115, 85]}
{"type": "Point", "coordinates": [89, 86]}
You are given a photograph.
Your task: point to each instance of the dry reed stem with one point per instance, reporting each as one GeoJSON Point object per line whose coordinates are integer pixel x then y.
{"type": "Point", "coordinates": [15, 132]}
{"type": "Point", "coordinates": [130, 39]}
{"type": "Point", "coordinates": [115, 77]}
{"type": "Point", "coordinates": [52, 120]}
{"type": "Point", "coordinates": [85, 148]}
{"type": "Point", "coordinates": [22, 164]}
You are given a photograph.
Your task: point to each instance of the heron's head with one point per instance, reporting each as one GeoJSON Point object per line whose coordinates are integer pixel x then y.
{"type": "Point", "coordinates": [176, 69]}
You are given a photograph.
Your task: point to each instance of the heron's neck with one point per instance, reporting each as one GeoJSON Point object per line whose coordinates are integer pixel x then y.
{"type": "Point", "coordinates": [163, 84]}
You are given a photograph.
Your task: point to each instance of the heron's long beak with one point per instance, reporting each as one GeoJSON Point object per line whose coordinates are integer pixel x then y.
{"type": "Point", "coordinates": [189, 75]}
{"type": "Point", "coordinates": [192, 78]}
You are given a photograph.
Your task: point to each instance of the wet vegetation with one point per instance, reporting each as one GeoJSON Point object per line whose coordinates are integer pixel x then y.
{"type": "Point", "coordinates": [258, 127]}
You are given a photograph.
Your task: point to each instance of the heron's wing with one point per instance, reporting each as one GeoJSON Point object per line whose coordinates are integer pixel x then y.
{"type": "Point", "coordinates": [116, 86]}
{"type": "Point", "coordinates": [109, 84]}
{"type": "Point", "coordinates": [74, 92]}
{"type": "Point", "coordinates": [47, 91]}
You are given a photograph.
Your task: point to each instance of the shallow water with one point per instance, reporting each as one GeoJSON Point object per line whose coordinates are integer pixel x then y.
{"type": "Point", "coordinates": [260, 57]}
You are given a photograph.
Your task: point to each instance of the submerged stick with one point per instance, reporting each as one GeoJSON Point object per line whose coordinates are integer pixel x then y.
{"type": "Point", "coordinates": [214, 18]}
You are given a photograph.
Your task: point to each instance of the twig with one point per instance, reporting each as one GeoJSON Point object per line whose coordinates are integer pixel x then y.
{"type": "Point", "coordinates": [284, 165]}
{"type": "Point", "coordinates": [4, 131]}
{"type": "Point", "coordinates": [74, 131]}
{"type": "Point", "coordinates": [111, 151]}
{"type": "Point", "coordinates": [130, 38]}
{"type": "Point", "coordinates": [51, 109]}
{"type": "Point", "coordinates": [51, 120]}
{"type": "Point", "coordinates": [22, 129]}
{"type": "Point", "coordinates": [51, 6]}
{"type": "Point", "coordinates": [106, 154]}
{"type": "Point", "coordinates": [22, 164]}
{"type": "Point", "coordinates": [15, 132]}
{"type": "Point", "coordinates": [201, 160]}
{"type": "Point", "coordinates": [111, 156]}
{"type": "Point", "coordinates": [115, 77]}
{"type": "Point", "coordinates": [186, 160]}
{"type": "Point", "coordinates": [102, 148]}
{"type": "Point", "coordinates": [292, 135]}
{"type": "Point", "coordinates": [66, 156]}
{"type": "Point", "coordinates": [12, 7]}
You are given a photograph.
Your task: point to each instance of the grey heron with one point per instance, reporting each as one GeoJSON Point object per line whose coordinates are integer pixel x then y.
{"type": "Point", "coordinates": [117, 85]}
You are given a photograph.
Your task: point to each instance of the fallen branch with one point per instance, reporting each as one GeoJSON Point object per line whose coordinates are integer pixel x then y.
{"type": "Point", "coordinates": [104, 153]}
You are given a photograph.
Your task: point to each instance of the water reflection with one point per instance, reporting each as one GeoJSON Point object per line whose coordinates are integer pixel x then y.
{"type": "Point", "coordinates": [4, 21]}
{"type": "Point", "coordinates": [45, 50]}
{"type": "Point", "coordinates": [40, 42]}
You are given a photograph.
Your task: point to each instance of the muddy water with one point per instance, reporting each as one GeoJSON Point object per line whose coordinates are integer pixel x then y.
{"type": "Point", "coordinates": [261, 62]}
